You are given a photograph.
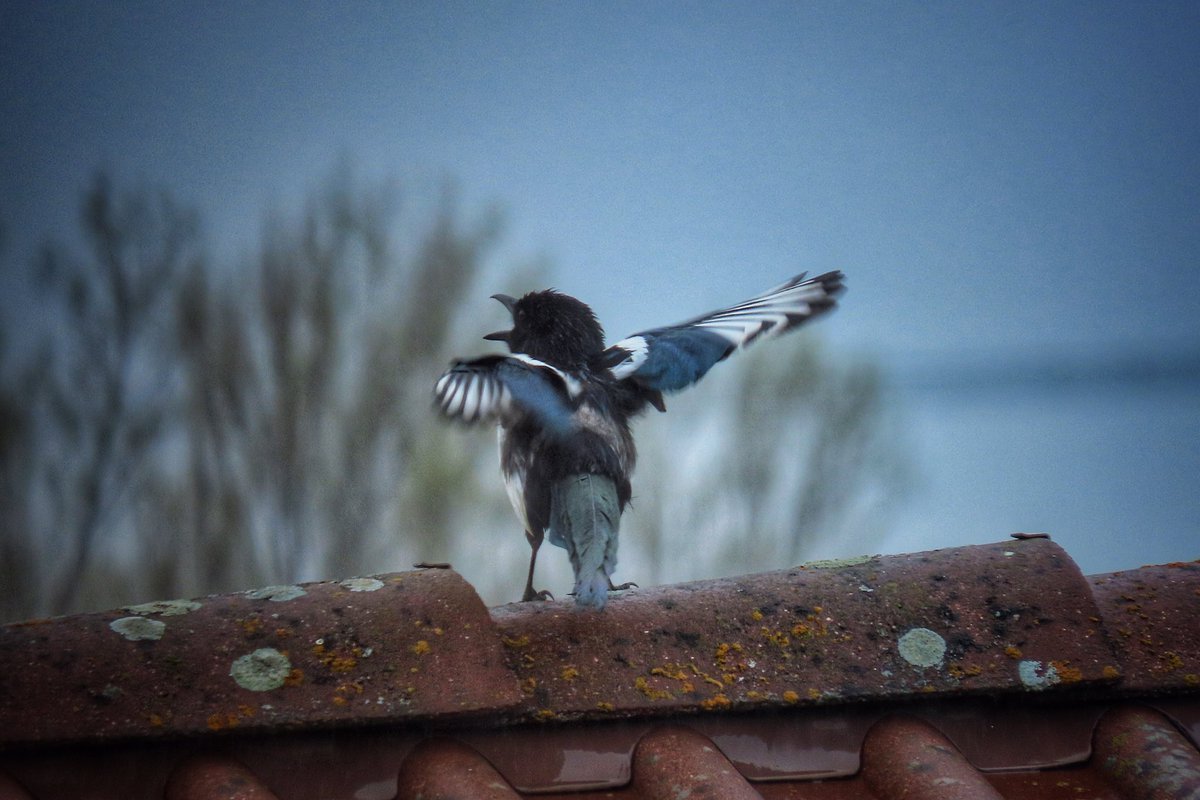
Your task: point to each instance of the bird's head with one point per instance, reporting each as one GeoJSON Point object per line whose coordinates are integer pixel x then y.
{"type": "Point", "coordinates": [551, 327]}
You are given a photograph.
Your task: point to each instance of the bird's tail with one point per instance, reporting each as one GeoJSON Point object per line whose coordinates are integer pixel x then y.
{"type": "Point", "coordinates": [584, 518]}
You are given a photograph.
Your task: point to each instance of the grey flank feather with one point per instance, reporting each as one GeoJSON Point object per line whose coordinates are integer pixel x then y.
{"type": "Point", "coordinates": [584, 517]}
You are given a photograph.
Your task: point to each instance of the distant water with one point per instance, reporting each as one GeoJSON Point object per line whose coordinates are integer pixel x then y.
{"type": "Point", "coordinates": [1107, 461]}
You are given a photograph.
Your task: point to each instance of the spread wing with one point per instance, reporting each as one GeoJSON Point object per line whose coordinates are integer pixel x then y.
{"type": "Point", "coordinates": [672, 358]}
{"type": "Point", "coordinates": [502, 388]}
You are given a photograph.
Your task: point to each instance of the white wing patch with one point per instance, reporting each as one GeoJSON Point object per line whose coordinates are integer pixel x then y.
{"type": "Point", "coordinates": [637, 349]}
{"type": "Point", "coordinates": [574, 387]}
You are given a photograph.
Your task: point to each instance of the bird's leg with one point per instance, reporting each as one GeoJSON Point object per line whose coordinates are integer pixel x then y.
{"type": "Point", "coordinates": [535, 541]}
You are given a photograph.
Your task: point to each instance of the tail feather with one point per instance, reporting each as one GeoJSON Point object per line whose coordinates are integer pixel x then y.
{"type": "Point", "coordinates": [585, 516]}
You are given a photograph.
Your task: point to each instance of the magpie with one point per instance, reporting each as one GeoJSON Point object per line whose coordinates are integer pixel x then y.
{"type": "Point", "coordinates": [563, 403]}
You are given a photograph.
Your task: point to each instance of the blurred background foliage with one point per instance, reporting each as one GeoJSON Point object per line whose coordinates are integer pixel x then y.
{"type": "Point", "coordinates": [186, 427]}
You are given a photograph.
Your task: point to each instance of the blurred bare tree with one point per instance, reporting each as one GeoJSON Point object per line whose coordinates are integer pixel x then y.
{"type": "Point", "coordinates": [783, 453]}
{"type": "Point", "coordinates": [101, 385]}
{"type": "Point", "coordinates": [308, 389]}
{"type": "Point", "coordinates": [188, 429]}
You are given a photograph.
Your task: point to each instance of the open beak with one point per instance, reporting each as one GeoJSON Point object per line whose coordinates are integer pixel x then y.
{"type": "Point", "coordinates": [509, 303]}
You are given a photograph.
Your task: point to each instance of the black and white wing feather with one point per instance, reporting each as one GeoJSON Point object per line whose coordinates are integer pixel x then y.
{"type": "Point", "coordinates": [499, 388]}
{"type": "Point", "coordinates": [671, 358]}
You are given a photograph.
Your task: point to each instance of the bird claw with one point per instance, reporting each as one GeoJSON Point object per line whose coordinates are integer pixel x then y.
{"type": "Point", "coordinates": [531, 595]}
{"type": "Point", "coordinates": [621, 587]}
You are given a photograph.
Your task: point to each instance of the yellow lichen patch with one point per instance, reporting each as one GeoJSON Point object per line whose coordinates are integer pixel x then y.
{"type": "Point", "coordinates": [340, 660]}
{"type": "Point", "coordinates": [776, 637]}
{"type": "Point", "coordinates": [294, 678]}
{"type": "Point", "coordinates": [673, 671]}
{"type": "Point", "coordinates": [1012, 651]}
{"type": "Point", "coordinates": [604, 705]}
{"type": "Point", "coordinates": [1111, 672]}
{"type": "Point", "coordinates": [961, 671]}
{"type": "Point", "coordinates": [282, 633]}
{"type": "Point", "coordinates": [1171, 661]}
{"type": "Point", "coordinates": [345, 692]}
{"type": "Point", "coordinates": [686, 674]}
{"type": "Point", "coordinates": [729, 657]}
{"type": "Point", "coordinates": [251, 625]}
{"type": "Point", "coordinates": [229, 719]}
{"type": "Point", "coordinates": [756, 615]}
{"type": "Point", "coordinates": [545, 714]}
{"type": "Point", "coordinates": [790, 697]}
{"type": "Point", "coordinates": [342, 664]}
{"type": "Point", "coordinates": [643, 686]}
{"type": "Point", "coordinates": [811, 626]}
{"type": "Point", "coordinates": [569, 674]}
{"type": "Point", "coordinates": [1067, 673]}
{"type": "Point", "coordinates": [515, 642]}
{"type": "Point", "coordinates": [420, 648]}
{"type": "Point", "coordinates": [156, 721]}
{"type": "Point", "coordinates": [1191, 679]}
{"type": "Point", "coordinates": [814, 693]}
{"type": "Point", "coordinates": [529, 684]}
{"type": "Point", "coordinates": [716, 702]}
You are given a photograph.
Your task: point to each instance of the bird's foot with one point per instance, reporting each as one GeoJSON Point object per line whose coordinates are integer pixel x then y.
{"type": "Point", "coordinates": [621, 587]}
{"type": "Point", "coordinates": [530, 595]}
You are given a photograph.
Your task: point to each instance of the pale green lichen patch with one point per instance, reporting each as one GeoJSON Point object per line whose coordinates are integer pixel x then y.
{"type": "Point", "coordinates": [166, 608]}
{"type": "Point", "coordinates": [838, 563]}
{"type": "Point", "coordinates": [276, 594]}
{"type": "Point", "coordinates": [261, 671]}
{"type": "Point", "coordinates": [1036, 675]}
{"type": "Point", "coordinates": [139, 629]}
{"type": "Point", "coordinates": [362, 584]}
{"type": "Point", "coordinates": [922, 647]}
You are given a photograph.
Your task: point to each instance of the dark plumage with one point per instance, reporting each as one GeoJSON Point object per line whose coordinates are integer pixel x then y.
{"type": "Point", "coordinates": [564, 402]}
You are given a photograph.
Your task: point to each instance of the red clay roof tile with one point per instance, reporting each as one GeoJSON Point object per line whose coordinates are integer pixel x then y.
{"type": "Point", "coordinates": [905, 757]}
{"type": "Point", "coordinates": [995, 670]}
{"type": "Point", "coordinates": [1146, 757]}
{"type": "Point", "coordinates": [1151, 617]}
{"type": "Point", "coordinates": [1011, 617]}
{"type": "Point", "coordinates": [443, 769]}
{"type": "Point", "coordinates": [214, 778]}
{"type": "Point", "coordinates": [396, 647]}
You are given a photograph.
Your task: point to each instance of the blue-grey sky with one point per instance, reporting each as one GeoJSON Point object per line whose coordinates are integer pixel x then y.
{"type": "Point", "coordinates": [1003, 183]}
